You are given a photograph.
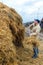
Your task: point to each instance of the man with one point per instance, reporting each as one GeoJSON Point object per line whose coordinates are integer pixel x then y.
{"type": "Point", "coordinates": [35, 28]}
{"type": "Point", "coordinates": [41, 24]}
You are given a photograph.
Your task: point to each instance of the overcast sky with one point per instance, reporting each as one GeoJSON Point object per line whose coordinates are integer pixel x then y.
{"type": "Point", "coordinates": [28, 9]}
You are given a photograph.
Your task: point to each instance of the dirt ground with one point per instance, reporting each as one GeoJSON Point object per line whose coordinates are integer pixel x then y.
{"type": "Point", "coordinates": [25, 56]}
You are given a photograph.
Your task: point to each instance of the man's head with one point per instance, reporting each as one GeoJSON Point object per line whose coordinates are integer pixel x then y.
{"type": "Point", "coordinates": [36, 21]}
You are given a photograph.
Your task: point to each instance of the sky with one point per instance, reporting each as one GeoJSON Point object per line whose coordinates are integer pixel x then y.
{"type": "Point", "coordinates": [28, 9]}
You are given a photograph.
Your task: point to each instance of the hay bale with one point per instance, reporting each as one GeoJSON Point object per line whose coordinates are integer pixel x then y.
{"type": "Point", "coordinates": [11, 34]}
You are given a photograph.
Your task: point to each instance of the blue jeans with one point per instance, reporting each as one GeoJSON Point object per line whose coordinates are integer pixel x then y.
{"type": "Point", "coordinates": [36, 51]}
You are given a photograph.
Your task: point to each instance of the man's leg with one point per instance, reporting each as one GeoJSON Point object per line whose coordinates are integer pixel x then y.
{"type": "Point", "coordinates": [35, 49]}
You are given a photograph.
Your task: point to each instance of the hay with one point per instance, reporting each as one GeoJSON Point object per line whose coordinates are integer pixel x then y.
{"type": "Point", "coordinates": [30, 41]}
{"type": "Point", "coordinates": [7, 53]}
{"type": "Point", "coordinates": [11, 34]}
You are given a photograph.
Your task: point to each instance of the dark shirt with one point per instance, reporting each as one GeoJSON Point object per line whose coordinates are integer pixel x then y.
{"type": "Point", "coordinates": [41, 24]}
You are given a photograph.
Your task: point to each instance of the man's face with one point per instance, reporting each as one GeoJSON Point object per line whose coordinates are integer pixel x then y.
{"type": "Point", "coordinates": [35, 22]}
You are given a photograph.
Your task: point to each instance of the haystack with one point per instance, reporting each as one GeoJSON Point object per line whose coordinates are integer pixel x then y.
{"type": "Point", "coordinates": [11, 34]}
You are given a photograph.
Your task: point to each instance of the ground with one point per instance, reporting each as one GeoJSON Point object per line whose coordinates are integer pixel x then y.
{"type": "Point", "coordinates": [25, 56]}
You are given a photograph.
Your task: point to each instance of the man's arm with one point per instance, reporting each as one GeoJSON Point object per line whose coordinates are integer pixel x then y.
{"type": "Point", "coordinates": [31, 26]}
